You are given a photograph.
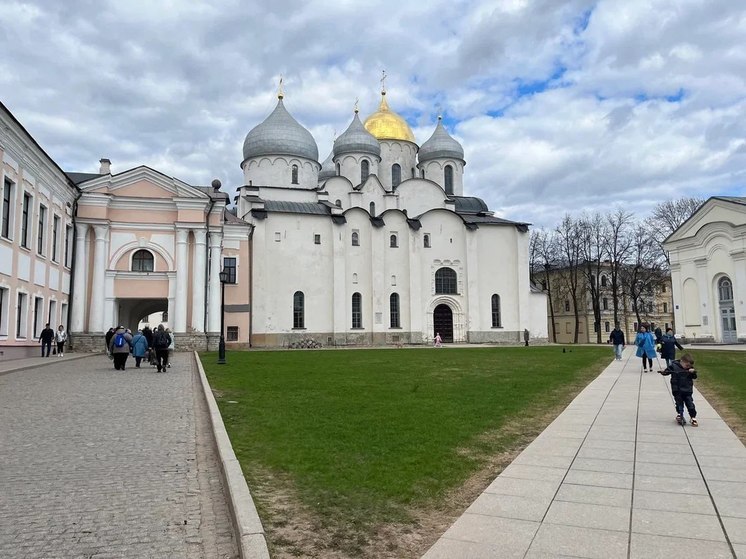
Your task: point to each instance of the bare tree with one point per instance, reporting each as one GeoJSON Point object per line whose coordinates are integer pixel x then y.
{"type": "Point", "coordinates": [542, 259]}
{"type": "Point", "coordinates": [669, 216]}
{"type": "Point", "coordinates": [569, 249]}
{"type": "Point", "coordinates": [618, 243]}
{"type": "Point", "coordinates": [592, 253]}
{"type": "Point", "coordinates": [644, 272]}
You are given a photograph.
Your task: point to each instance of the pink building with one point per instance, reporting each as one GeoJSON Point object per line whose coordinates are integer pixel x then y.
{"type": "Point", "coordinates": [95, 250]}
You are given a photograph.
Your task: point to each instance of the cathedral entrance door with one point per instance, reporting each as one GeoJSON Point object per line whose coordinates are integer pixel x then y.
{"type": "Point", "coordinates": [443, 322]}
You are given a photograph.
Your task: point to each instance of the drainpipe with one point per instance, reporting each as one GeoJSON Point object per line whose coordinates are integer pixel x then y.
{"type": "Point", "coordinates": [251, 284]}
{"type": "Point", "coordinates": [73, 269]}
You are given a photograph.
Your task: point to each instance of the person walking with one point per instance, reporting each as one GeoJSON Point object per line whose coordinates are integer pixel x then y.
{"type": "Point", "coordinates": [161, 341]}
{"type": "Point", "coordinates": [657, 332]}
{"type": "Point", "coordinates": [119, 347]}
{"type": "Point", "coordinates": [683, 374]}
{"type": "Point", "coordinates": [45, 339]}
{"type": "Point", "coordinates": [438, 340]}
{"type": "Point", "coordinates": [617, 338]}
{"type": "Point", "coordinates": [645, 348]}
{"type": "Point", "coordinates": [109, 335]}
{"type": "Point", "coordinates": [669, 343]}
{"type": "Point", "coordinates": [60, 336]}
{"type": "Point", "coordinates": [171, 346]}
{"type": "Point", "coordinates": [526, 336]}
{"type": "Point", "coordinates": [139, 347]}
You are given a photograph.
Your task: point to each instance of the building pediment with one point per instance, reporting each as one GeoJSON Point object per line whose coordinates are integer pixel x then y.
{"type": "Point", "coordinates": [714, 211]}
{"type": "Point", "coordinates": [142, 182]}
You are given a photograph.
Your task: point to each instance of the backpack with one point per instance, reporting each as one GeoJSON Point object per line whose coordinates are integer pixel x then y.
{"type": "Point", "coordinates": [119, 340]}
{"type": "Point", "coordinates": [161, 340]}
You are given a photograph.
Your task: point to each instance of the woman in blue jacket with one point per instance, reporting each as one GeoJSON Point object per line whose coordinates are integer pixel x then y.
{"type": "Point", "coordinates": [139, 347]}
{"type": "Point", "coordinates": [645, 348]}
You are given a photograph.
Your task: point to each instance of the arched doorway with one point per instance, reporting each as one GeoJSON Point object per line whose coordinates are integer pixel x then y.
{"type": "Point", "coordinates": [727, 311]}
{"type": "Point", "coordinates": [443, 322]}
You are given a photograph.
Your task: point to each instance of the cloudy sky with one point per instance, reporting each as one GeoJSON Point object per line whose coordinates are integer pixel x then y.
{"type": "Point", "coordinates": [561, 105]}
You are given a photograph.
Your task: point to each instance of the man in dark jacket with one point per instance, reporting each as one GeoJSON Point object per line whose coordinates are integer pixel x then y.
{"type": "Point", "coordinates": [682, 386]}
{"type": "Point", "coordinates": [45, 338]}
{"type": "Point", "coordinates": [669, 343]}
{"type": "Point", "coordinates": [617, 338]}
{"type": "Point", "coordinates": [108, 337]}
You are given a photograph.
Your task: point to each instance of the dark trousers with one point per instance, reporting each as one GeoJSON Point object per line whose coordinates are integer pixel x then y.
{"type": "Point", "coordinates": [120, 359]}
{"type": "Point", "coordinates": [684, 399]}
{"type": "Point", "coordinates": [137, 361]}
{"type": "Point", "coordinates": [60, 347]}
{"type": "Point", "coordinates": [161, 358]}
{"type": "Point", "coordinates": [646, 360]}
{"type": "Point", "coordinates": [46, 345]}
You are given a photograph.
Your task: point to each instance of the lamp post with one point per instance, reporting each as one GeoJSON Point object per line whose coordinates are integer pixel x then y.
{"type": "Point", "coordinates": [221, 345]}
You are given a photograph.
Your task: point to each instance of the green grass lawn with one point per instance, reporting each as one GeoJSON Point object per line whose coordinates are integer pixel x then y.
{"type": "Point", "coordinates": [366, 435]}
{"type": "Point", "coordinates": [722, 374]}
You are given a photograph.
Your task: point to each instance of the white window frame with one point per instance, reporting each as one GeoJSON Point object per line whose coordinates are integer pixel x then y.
{"type": "Point", "coordinates": [21, 324]}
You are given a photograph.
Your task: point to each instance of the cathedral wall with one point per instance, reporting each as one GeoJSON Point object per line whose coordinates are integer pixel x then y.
{"type": "Point", "coordinates": [350, 166]}
{"type": "Point", "coordinates": [396, 151]}
{"type": "Point", "coordinates": [435, 171]}
{"type": "Point", "coordinates": [277, 171]}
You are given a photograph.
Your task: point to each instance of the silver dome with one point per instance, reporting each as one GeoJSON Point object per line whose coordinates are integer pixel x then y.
{"type": "Point", "coordinates": [356, 139]}
{"type": "Point", "coordinates": [328, 170]}
{"type": "Point", "coordinates": [440, 146]}
{"type": "Point", "coordinates": [280, 134]}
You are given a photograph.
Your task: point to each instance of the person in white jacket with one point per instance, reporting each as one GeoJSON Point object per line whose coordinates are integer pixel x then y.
{"type": "Point", "coordinates": [60, 336]}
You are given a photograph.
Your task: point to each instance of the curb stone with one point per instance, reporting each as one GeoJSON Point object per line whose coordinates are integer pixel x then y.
{"type": "Point", "coordinates": [26, 367]}
{"type": "Point", "coordinates": [252, 543]}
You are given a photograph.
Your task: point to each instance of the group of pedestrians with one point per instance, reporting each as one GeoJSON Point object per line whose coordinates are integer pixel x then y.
{"type": "Point", "coordinates": [47, 336]}
{"type": "Point", "coordinates": [156, 346]}
{"type": "Point", "coordinates": [650, 340]}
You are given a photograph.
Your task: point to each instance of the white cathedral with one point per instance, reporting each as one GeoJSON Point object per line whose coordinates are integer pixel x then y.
{"type": "Point", "coordinates": [377, 245]}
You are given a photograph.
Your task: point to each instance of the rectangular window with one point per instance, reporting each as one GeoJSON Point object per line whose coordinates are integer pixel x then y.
{"type": "Point", "coordinates": [278, 236]}
{"type": "Point", "coordinates": [4, 303]}
{"type": "Point", "coordinates": [567, 328]}
{"type": "Point", "coordinates": [21, 314]}
{"type": "Point", "coordinates": [426, 240]}
{"type": "Point", "coordinates": [317, 239]}
{"type": "Point", "coordinates": [38, 316]}
{"type": "Point", "coordinates": [52, 316]}
{"type": "Point", "coordinates": [42, 229]}
{"type": "Point", "coordinates": [229, 265]}
{"type": "Point", "coordinates": [663, 288]}
{"type": "Point", "coordinates": [7, 226]}
{"type": "Point", "coordinates": [607, 326]}
{"type": "Point", "coordinates": [606, 304]}
{"type": "Point", "coordinates": [665, 307]}
{"type": "Point", "coordinates": [25, 223]}
{"type": "Point", "coordinates": [63, 314]}
{"type": "Point", "coordinates": [55, 237]}
{"type": "Point", "coordinates": [567, 305]}
{"type": "Point", "coordinates": [635, 327]}
{"type": "Point", "coordinates": [68, 235]}
{"type": "Point", "coordinates": [595, 327]}
{"type": "Point", "coordinates": [231, 334]}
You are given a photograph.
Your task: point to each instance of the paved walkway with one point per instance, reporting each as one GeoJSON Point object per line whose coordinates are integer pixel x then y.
{"type": "Point", "coordinates": [97, 463]}
{"type": "Point", "coordinates": [614, 476]}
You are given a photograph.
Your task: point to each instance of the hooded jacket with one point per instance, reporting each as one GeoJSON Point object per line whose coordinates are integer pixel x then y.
{"type": "Point", "coordinates": [682, 381]}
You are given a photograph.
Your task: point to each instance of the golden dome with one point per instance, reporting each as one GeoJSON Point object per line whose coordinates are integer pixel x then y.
{"type": "Point", "coordinates": [385, 124]}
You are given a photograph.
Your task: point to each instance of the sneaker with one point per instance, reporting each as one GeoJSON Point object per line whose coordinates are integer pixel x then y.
{"type": "Point", "coordinates": [680, 420]}
{"type": "Point", "coordinates": [644, 370]}
{"type": "Point", "coordinates": [159, 369]}
{"type": "Point", "coordinates": [694, 422]}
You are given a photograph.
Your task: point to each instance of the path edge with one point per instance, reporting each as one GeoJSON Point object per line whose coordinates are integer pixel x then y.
{"type": "Point", "coordinates": [252, 543]}
{"type": "Point", "coordinates": [26, 367]}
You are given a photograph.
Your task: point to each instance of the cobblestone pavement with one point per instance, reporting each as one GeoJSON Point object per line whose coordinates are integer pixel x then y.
{"type": "Point", "coordinates": [98, 463]}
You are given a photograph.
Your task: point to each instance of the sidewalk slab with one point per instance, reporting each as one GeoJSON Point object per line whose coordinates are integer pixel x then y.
{"type": "Point", "coordinates": [614, 476]}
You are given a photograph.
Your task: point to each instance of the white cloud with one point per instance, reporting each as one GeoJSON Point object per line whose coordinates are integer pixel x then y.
{"type": "Point", "coordinates": [560, 105]}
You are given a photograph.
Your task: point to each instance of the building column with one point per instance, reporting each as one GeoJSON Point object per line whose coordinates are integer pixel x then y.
{"type": "Point", "coordinates": [99, 272]}
{"type": "Point", "coordinates": [182, 279]}
{"type": "Point", "coordinates": [213, 303]}
{"type": "Point", "coordinates": [198, 283]}
{"type": "Point", "coordinates": [80, 281]}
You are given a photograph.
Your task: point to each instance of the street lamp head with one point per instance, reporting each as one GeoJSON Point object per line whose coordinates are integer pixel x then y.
{"type": "Point", "coordinates": [223, 277]}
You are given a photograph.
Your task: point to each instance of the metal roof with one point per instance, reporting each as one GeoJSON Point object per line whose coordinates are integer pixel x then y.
{"type": "Point", "coordinates": [309, 208]}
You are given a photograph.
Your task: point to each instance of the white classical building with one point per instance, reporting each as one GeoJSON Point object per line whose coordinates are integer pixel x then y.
{"type": "Point", "coordinates": [36, 236]}
{"type": "Point", "coordinates": [708, 272]}
{"type": "Point", "coordinates": [377, 245]}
